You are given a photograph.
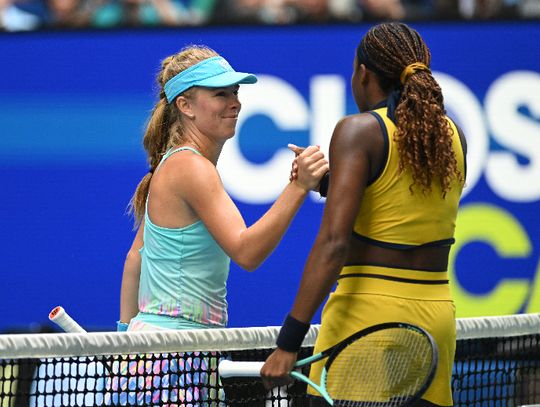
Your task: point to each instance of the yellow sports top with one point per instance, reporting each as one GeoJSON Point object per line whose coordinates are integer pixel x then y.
{"type": "Point", "coordinates": [391, 216]}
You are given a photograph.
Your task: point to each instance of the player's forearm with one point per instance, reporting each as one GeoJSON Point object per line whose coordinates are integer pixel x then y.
{"type": "Point", "coordinates": [259, 240]}
{"type": "Point", "coordinates": [130, 287]}
{"type": "Point", "coordinates": [129, 300]}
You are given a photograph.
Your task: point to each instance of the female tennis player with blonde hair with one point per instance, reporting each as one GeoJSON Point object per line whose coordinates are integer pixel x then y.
{"type": "Point", "coordinates": [396, 176]}
{"type": "Point", "coordinates": [189, 228]}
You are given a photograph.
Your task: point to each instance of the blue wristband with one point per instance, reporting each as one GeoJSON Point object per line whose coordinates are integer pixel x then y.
{"type": "Point", "coordinates": [121, 326]}
{"type": "Point", "coordinates": [292, 334]}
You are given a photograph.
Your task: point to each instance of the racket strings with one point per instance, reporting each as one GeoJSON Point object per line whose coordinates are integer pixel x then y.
{"type": "Point", "coordinates": [383, 369]}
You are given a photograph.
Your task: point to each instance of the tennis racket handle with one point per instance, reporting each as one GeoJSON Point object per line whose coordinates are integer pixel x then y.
{"type": "Point", "coordinates": [60, 317]}
{"type": "Point", "coordinates": [228, 368]}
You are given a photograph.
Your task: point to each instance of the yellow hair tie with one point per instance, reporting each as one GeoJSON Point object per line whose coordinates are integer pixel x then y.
{"type": "Point", "coordinates": [410, 69]}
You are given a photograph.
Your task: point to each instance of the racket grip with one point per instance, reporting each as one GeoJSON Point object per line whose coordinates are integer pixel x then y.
{"type": "Point", "coordinates": [60, 317]}
{"type": "Point", "coordinates": [228, 368]}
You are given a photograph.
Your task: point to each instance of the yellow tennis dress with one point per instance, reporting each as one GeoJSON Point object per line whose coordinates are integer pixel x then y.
{"type": "Point", "coordinates": [367, 294]}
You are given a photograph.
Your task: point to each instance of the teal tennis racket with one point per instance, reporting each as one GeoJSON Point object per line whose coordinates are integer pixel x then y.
{"type": "Point", "coordinates": [385, 365]}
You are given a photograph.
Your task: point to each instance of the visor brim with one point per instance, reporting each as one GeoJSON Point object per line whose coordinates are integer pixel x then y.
{"type": "Point", "coordinates": [228, 79]}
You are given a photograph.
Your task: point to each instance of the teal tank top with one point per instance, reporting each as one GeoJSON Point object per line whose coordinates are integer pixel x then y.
{"type": "Point", "coordinates": [183, 271]}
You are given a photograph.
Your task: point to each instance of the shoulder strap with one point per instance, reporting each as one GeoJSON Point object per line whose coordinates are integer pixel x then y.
{"type": "Point", "coordinates": [175, 150]}
{"type": "Point", "coordinates": [380, 114]}
{"type": "Point", "coordinates": [167, 154]}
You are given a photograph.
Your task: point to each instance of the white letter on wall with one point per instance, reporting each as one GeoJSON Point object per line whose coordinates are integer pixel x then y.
{"type": "Point", "coordinates": [505, 175]}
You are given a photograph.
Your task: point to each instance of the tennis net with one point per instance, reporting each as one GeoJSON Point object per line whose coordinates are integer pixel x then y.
{"type": "Point", "coordinates": [497, 364]}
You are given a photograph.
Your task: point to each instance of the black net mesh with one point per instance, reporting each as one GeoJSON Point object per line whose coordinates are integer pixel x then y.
{"type": "Point", "coordinates": [175, 379]}
{"type": "Point", "coordinates": [496, 371]}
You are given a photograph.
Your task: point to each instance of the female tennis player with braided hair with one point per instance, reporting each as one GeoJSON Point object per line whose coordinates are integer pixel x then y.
{"type": "Point", "coordinates": [396, 175]}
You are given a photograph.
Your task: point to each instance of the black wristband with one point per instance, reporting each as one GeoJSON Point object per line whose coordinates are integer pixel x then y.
{"type": "Point", "coordinates": [323, 185]}
{"type": "Point", "coordinates": [292, 334]}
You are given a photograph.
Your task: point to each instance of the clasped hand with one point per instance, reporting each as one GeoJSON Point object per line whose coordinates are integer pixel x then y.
{"type": "Point", "coordinates": [308, 167]}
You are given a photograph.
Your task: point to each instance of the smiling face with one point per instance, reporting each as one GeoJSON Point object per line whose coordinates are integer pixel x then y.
{"type": "Point", "coordinates": [214, 111]}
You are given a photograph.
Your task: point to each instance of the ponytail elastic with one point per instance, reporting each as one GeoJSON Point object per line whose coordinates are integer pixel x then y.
{"type": "Point", "coordinates": [411, 69]}
{"type": "Point", "coordinates": [292, 334]}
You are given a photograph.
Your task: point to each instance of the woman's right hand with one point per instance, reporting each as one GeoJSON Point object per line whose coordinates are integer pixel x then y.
{"type": "Point", "coordinates": [309, 167]}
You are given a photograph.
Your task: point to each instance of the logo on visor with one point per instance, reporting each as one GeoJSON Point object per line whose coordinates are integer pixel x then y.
{"type": "Point", "coordinates": [225, 64]}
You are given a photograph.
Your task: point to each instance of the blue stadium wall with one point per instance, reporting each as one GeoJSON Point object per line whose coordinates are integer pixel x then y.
{"type": "Point", "coordinates": [72, 111]}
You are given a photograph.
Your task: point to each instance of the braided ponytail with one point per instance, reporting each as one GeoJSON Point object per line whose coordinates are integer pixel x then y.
{"type": "Point", "coordinates": [401, 60]}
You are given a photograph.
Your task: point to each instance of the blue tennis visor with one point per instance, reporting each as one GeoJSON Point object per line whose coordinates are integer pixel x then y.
{"type": "Point", "coordinates": [213, 72]}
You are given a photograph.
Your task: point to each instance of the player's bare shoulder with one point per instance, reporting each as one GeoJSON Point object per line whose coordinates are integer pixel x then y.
{"type": "Point", "coordinates": [186, 169]}
{"type": "Point", "coordinates": [356, 130]}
